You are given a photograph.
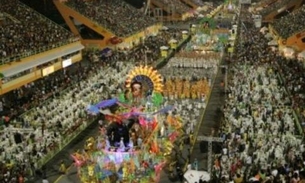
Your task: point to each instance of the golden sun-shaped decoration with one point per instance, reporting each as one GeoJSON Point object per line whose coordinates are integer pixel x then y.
{"type": "Point", "coordinates": [146, 75]}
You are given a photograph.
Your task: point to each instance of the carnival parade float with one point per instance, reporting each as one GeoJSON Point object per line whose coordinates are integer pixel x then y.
{"type": "Point", "coordinates": [136, 136]}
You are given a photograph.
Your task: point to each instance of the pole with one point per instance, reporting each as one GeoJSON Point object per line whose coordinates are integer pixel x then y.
{"type": "Point", "coordinates": [210, 140]}
{"type": "Point", "coordinates": [161, 14]}
{"type": "Point", "coordinates": [226, 79]}
{"type": "Point", "coordinates": [210, 155]}
{"type": "Point", "coordinates": [147, 7]}
{"type": "Point", "coordinates": [226, 76]}
{"type": "Point", "coordinates": [145, 58]}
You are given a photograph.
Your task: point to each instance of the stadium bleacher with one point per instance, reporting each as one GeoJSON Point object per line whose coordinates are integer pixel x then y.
{"type": "Point", "coordinates": [291, 24]}
{"type": "Point", "coordinates": [274, 7]}
{"type": "Point", "coordinates": [25, 32]}
{"type": "Point", "coordinates": [109, 13]}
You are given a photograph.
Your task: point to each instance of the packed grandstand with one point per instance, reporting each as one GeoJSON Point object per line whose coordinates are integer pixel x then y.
{"type": "Point", "coordinates": [232, 83]}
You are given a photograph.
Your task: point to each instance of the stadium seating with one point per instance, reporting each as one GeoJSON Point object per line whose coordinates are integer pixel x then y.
{"type": "Point", "coordinates": [109, 13]}
{"type": "Point", "coordinates": [291, 24]}
{"type": "Point", "coordinates": [24, 32]}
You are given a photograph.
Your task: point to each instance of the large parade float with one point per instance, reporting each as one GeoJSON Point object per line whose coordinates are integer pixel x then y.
{"type": "Point", "coordinates": [208, 37]}
{"type": "Point", "coordinates": [136, 136]}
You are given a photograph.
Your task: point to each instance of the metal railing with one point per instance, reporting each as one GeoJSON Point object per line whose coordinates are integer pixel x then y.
{"type": "Point", "coordinates": [20, 56]}
{"type": "Point", "coordinates": [17, 57]}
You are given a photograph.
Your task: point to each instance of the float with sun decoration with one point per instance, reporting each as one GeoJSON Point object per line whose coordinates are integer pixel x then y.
{"type": "Point", "coordinates": [136, 136]}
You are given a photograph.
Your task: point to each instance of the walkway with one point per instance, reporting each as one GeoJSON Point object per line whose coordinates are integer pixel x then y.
{"type": "Point", "coordinates": [211, 120]}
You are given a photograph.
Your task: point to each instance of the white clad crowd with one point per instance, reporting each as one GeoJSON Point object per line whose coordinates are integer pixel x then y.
{"type": "Point", "coordinates": [194, 62]}
{"type": "Point", "coordinates": [191, 66]}
{"type": "Point", "coordinates": [262, 126]}
{"type": "Point", "coordinates": [261, 140]}
{"type": "Point", "coordinates": [183, 109]}
{"type": "Point", "coordinates": [61, 114]}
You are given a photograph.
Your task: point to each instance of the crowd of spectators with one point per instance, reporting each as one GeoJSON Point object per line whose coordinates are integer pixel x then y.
{"type": "Point", "coordinates": [116, 16]}
{"type": "Point", "coordinates": [291, 24]}
{"type": "Point", "coordinates": [24, 32]}
{"type": "Point", "coordinates": [260, 134]}
{"type": "Point", "coordinates": [277, 5]}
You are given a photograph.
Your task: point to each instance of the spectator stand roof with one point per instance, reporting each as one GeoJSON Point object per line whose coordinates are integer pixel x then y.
{"type": "Point", "coordinates": [40, 59]}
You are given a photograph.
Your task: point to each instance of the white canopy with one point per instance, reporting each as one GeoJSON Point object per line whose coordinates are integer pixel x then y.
{"type": "Point", "coordinates": [287, 49]}
{"type": "Point", "coordinates": [164, 28]}
{"type": "Point", "coordinates": [194, 176]}
{"type": "Point", "coordinates": [232, 38]}
{"type": "Point", "coordinates": [173, 41]}
{"type": "Point", "coordinates": [259, 9]}
{"type": "Point", "coordinates": [263, 30]}
{"type": "Point", "coordinates": [272, 43]}
{"type": "Point", "coordinates": [268, 35]}
{"type": "Point", "coordinates": [185, 32]}
{"type": "Point", "coordinates": [164, 48]}
{"type": "Point", "coordinates": [288, 52]}
{"type": "Point", "coordinates": [204, 8]}
{"type": "Point", "coordinates": [301, 55]}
